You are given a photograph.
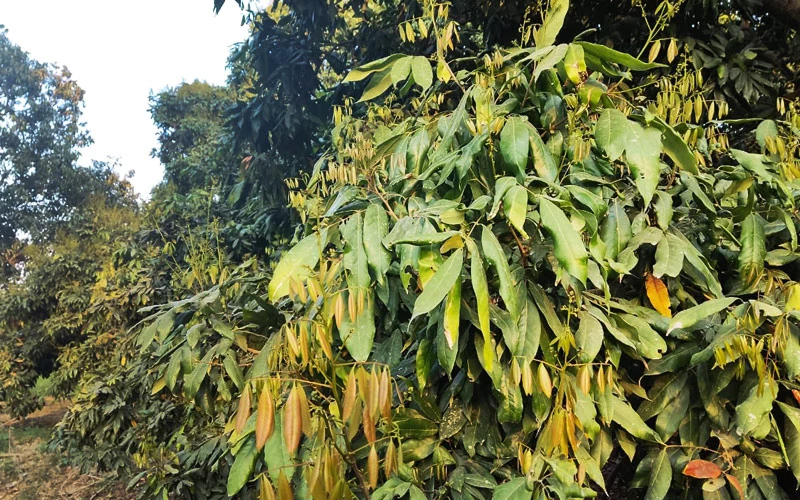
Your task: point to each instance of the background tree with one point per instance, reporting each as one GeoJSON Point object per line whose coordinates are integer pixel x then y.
{"type": "Point", "coordinates": [40, 137]}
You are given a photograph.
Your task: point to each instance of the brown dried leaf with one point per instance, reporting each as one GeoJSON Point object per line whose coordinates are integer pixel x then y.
{"type": "Point", "coordinates": [736, 485]}
{"type": "Point", "coordinates": [702, 469]}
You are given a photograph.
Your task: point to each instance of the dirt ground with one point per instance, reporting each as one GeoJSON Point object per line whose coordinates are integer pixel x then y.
{"type": "Point", "coordinates": [29, 472]}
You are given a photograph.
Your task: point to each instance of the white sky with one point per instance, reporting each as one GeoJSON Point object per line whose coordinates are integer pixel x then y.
{"type": "Point", "coordinates": [118, 52]}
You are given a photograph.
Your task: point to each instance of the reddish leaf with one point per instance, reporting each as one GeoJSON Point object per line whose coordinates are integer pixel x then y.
{"type": "Point", "coordinates": [702, 469]}
{"type": "Point", "coordinates": [736, 484]}
{"type": "Point", "coordinates": [796, 395]}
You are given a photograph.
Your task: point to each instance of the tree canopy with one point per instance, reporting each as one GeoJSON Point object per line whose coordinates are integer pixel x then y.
{"type": "Point", "coordinates": [41, 134]}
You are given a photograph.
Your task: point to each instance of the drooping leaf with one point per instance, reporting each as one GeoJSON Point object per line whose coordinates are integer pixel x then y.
{"type": "Point", "coordinates": [364, 71]}
{"type": "Point", "coordinates": [514, 145]}
{"type": "Point", "coordinates": [611, 133]}
{"type": "Point", "coordinates": [296, 264]}
{"type": "Point", "coordinates": [242, 468]}
{"type": "Point", "coordinates": [515, 489]}
{"type": "Point", "coordinates": [552, 24]}
{"type": "Point", "coordinates": [629, 420]}
{"type": "Point", "coordinates": [642, 151]}
{"type": "Point", "coordinates": [481, 290]}
{"type": "Point", "coordinates": [669, 257]}
{"type": "Point", "coordinates": [378, 84]}
{"type": "Point", "coordinates": [440, 284]}
{"type": "Point", "coordinates": [675, 147]}
{"type": "Point", "coordinates": [687, 318]}
{"type": "Point", "coordinates": [791, 436]}
{"type": "Point", "coordinates": [568, 246]}
{"type": "Point", "coordinates": [495, 255]}
{"type": "Point", "coordinates": [616, 230]}
{"type": "Point", "coordinates": [660, 477]}
{"type": "Point", "coordinates": [376, 227]}
{"type": "Point", "coordinates": [588, 337]}
{"type": "Point", "coordinates": [754, 250]}
{"type": "Point", "coordinates": [543, 161]}
{"type": "Point", "coordinates": [421, 72]}
{"type": "Point", "coordinates": [658, 295]}
{"type": "Point", "coordinates": [604, 53]}
{"type": "Point", "coordinates": [515, 206]}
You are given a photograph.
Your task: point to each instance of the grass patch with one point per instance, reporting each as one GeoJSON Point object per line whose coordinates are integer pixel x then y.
{"type": "Point", "coordinates": [21, 436]}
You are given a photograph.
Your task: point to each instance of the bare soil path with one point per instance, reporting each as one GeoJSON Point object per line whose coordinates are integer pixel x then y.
{"type": "Point", "coordinates": [29, 472]}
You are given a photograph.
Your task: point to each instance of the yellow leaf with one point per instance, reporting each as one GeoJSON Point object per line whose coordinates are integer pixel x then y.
{"type": "Point", "coordinates": [658, 295]}
{"type": "Point", "coordinates": [793, 298]}
{"type": "Point", "coordinates": [243, 410]}
{"type": "Point", "coordinates": [372, 467]}
{"type": "Point", "coordinates": [265, 489]}
{"type": "Point", "coordinates": [265, 418]}
{"type": "Point", "coordinates": [350, 393]}
{"type": "Point", "coordinates": [292, 422]}
{"type": "Point", "coordinates": [654, 50]}
{"type": "Point", "coordinates": [284, 488]}
{"type": "Point", "coordinates": [672, 50]}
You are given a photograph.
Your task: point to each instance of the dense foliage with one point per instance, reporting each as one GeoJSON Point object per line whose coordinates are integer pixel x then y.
{"type": "Point", "coordinates": [523, 263]}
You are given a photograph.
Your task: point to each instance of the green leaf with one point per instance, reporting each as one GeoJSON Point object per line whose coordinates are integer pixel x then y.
{"type": "Point", "coordinates": [642, 151]}
{"type": "Point", "coordinates": [669, 257]}
{"type": "Point", "coordinates": [413, 231]}
{"type": "Point", "coordinates": [755, 163]}
{"type": "Point", "coordinates": [616, 230]}
{"type": "Point", "coordinates": [276, 456]}
{"type": "Point", "coordinates": [608, 54]}
{"type": "Point", "coordinates": [629, 420]}
{"type": "Point", "coordinates": [497, 258]}
{"type": "Point", "coordinates": [376, 227]}
{"type": "Point", "coordinates": [687, 318]}
{"type": "Point", "coordinates": [660, 477]}
{"type": "Point", "coordinates": [675, 147]}
{"type": "Point", "coordinates": [543, 161]}
{"type": "Point", "coordinates": [422, 72]}
{"type": "Point", "coordinates": [378, 84]}
{"type": "Point", "coordinates": [663, 209]}
{"type": "Point", "coordinates": [552, 24]}
{"type": "Point", "coordinates": [515, 489]}
{"type": "Point", "coordinates": [756, 406]}
{"type": "Point", "coordinates": [440, 284]}
{"type": "Point", "coordinates": [754, 250]}
{"type": "Point", "coordinates": [665, 389]}
{"type": "Point", "coordinates": [481, 289]}
{"type": "Point", "coordinates": [568, 246]}
{"type": "Point", "coordinates": [514, 145]}
{"type": "Point", "coordinates": [669, 420]}
{"type": "Point", "coordinates": [296, 264]}
{"type": "Point", "coordinates": [611, 133]}
{"type": "Point", "coordinates": [364, 71]}
{"type": "Point", "coordinates": [791, 436]}
{"type": "Point", "coordinates": [357, 334]}
{"type": "Point", "coordinates": [515, 205]}
{"type": "Point", "coordinates": [242, 468]}
{"type": "Point", "coordinates": [588, 337]}
{"type": "Point", "coordinates": [400, 69]}
{"type": "Point", "coordinates": [355, 255]}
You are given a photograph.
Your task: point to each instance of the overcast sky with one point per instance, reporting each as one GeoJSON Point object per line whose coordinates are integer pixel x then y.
{"type": "Point", "coordinates": [121, 51]}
